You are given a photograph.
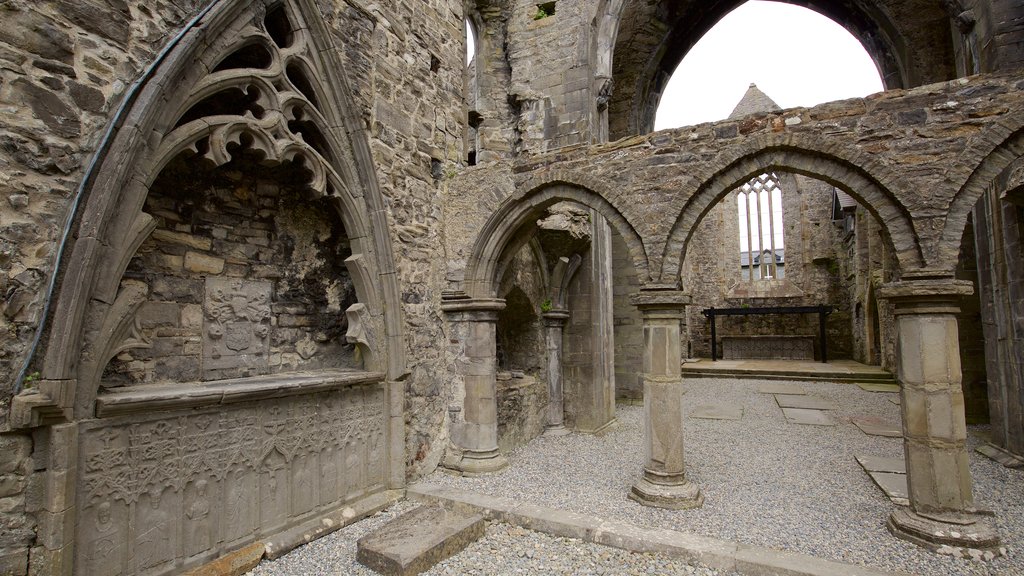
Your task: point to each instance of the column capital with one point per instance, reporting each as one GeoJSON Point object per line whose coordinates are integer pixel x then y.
{"type": "Point", "coordinates": [462, 307]}
{"type": "Point", "coordinates": [660, 300]}
{"type": "Point", "coordinates": [555, 317]}
{"type": "Point", "coordinates": [926, 295]}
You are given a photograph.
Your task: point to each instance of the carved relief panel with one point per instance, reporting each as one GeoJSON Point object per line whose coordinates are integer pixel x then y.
{"type": "Point", "coordinates": [236, 328]}
{"type": "Point", "coordinates": [186, 486]}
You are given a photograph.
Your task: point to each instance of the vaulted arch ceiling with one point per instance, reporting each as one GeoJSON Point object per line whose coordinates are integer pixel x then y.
{"type": "Point", "coordinates": [909, 40]}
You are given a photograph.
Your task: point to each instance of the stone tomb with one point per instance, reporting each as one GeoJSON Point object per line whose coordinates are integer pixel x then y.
{"type": "Point", "coordinates": [415, 541]}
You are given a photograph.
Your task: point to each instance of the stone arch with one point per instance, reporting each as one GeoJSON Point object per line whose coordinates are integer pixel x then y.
{"type": "Point", "coordinates": [870, 183]}
{"type": "Point", "coordinates": [93, 312]}
{"type": "Point", "coordinates": [505, 232]}
{"type": "Point", "coordinates": [910, 47]}
{"type": "Point", "coordinates": [999, 164]}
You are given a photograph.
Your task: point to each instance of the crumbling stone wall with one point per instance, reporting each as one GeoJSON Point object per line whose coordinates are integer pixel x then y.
{"type": "Point", "coordinates": [629, 334]}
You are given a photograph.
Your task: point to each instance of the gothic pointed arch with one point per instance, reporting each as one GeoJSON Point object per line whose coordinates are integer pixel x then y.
{"type": "Point", "coordinates": [849, 172]}
{"type": "Point", "coordinates": [507, 230]}
{"type": "Point", "coordinates": [252, 88]}
{"type": "Point", "coordinates": [910, 43]}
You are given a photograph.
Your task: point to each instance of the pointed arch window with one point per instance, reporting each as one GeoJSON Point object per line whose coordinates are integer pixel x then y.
{"type": "Point", "coordinates": [761, 237]}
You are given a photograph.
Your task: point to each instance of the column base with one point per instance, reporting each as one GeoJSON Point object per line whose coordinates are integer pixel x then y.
{"type": "Point", "coordinates": [682, 496]}
{"type": "Point", "coordinates": [473, 463]}
{"type": "Point", "coordinates": [559, 430]}
{"type": "Point", "coordinates": [964, 535]}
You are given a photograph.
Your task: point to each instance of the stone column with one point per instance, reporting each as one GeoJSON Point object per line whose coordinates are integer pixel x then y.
{"type": "Point", "coordinates": [664, 482]}
{"type": "Point", "coordinates": [942, 512]}
{"type": "Point", "coordinates": [554, 322]}
{"type": "Point", "coordinates": [473, 413]}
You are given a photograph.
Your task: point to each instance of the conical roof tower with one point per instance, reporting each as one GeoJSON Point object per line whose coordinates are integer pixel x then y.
{"type": "Point", "coordinates": [754, 101]}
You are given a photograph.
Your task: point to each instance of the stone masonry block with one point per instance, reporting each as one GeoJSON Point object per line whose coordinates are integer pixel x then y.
{"type": "Point", "coordinates": [203, 264]}
{"type": "Point", "coordinates": [417, 540]}
{"type": "Point", "coordinates": [14, 563]}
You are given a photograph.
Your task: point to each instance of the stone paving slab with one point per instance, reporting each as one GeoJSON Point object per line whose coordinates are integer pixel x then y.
{"type": "Point", "coordinates": [808, 402]}
{"type": "Point", "coordinates": [808, 417]}
{"type": "Point", "coordinates": [895, 400]}
{"type": "Point", "coordinates": [882, 464]}
{"type": "Point", "coordinates": [874, 387]}
{"type": "Point", "coordinates": [1001, 456]}
{"type": "Point", "coordinates": [712, 552]}
{"type": "Point", "coordinates": [415, 541]}
{"type": "Point", "coordinates": [781, 388]}
{"type": "Point", "coordinates": [877, 427]}
{"type": "Point", "coordinates": [718, 412]}
{"type": "Point", "coordinates": [894, 485]}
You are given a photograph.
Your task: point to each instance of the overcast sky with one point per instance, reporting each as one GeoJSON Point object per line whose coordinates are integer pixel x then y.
{"type": "Point", "coordinates": [794, 55]}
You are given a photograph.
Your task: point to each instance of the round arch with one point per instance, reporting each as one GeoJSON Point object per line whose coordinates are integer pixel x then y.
{"type": "Point", "coordinates": [844, 169]}
{"type": "Point", "coordinates": [507, 229]}
{"type": "Point", "coordinates": [90, 309]}
{"type": "Point", "coordinates": [910, 47]}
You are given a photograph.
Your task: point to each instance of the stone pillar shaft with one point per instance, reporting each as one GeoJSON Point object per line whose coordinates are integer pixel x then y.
{"type": "Point", "coordinates": [554, 322]}
{"type": "Point", "coordinates": [942, 509]}
{"type": "Point", "coordinates": [664, 482]}
{"type": "Point", "coordinates": [473, 422]}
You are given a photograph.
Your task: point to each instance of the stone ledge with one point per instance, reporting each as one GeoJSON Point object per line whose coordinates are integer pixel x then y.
{"type": "Point", "coordinates": [145, 398]}
{"type": "Point", "coordinates": [712, 552]}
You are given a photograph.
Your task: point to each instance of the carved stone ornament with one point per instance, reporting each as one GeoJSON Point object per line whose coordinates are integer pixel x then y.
{"type": "Point", "coordinates": [236, 328]}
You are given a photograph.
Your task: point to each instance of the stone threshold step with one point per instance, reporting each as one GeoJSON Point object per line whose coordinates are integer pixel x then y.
{"type": "Point", "coordinates": [416, 540]}
{"type": "Point", "coordinates": [712, 552]}
{"type": "Point", "coordinates": [797, 376]}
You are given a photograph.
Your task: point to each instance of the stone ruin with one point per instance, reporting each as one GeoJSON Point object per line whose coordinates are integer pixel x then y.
{"type": "Point", "coordinates": [266, 263]}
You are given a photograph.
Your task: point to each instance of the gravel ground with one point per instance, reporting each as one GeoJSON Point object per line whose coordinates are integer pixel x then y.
{"type": "Point", "coordinates": [765, 482]}
{"type": "Point", "coordinates": [504, 549]}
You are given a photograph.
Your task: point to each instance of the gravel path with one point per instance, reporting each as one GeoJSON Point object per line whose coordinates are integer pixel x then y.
{"type": "Point", "coordinates": [765, 482]}
{"type": "Point", "coordinates": [504, 549]}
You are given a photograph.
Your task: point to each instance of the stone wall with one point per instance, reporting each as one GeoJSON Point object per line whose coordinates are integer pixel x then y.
{"type": "Point", "coordinates": [629, 335]}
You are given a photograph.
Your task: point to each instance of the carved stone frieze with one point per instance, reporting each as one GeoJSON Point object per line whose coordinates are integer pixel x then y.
{"type": "Point", "coordinates": [155, 489]}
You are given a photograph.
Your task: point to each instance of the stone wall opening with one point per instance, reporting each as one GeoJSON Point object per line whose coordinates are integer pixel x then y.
{"type": "Point", "coordinates": [245, 274]}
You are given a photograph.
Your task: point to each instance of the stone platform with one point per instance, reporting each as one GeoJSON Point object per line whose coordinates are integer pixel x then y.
{"type": "Point", "coordinates": [805, 370]}
{"type": "Point", "coordinates": [413, 542]}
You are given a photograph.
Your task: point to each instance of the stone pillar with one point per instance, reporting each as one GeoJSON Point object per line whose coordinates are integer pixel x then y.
{"type": "Point", "coordinates": [473, 413]}
{"type": "Point", "coordinates": [554, 322]}
{"type": "Point", "coordinates": [942, 512]}
{"type": "Point", "coordinates": [664, 482]}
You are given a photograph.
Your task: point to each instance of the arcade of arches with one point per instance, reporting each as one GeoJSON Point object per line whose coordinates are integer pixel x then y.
{"type": "Point", "coordinates": [252, 279]}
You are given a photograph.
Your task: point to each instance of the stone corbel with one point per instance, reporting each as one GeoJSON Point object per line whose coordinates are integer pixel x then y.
{"type": "Point", "coordinates": [47, 402]}
{"type": "Point", "coordinates": [364, 331]}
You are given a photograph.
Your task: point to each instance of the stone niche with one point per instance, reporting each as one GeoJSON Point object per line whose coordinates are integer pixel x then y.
{"type": "Point", "coordinates": [165, 491]}
{"type": "Point", "coordinates": [246, 277]}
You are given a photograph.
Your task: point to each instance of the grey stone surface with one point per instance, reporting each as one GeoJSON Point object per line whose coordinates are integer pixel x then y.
{"type": "Point", "coordinates": [882, 464]}
{"type": "Point", "coordinates": [999, 455]}
{"type": "Point", "coordinates": [717, 412]}
{"type": "Point", "coordinates": [872, 387]}
{"type": "Point", "coordinates": [894, 485]}
{"type": "Point", "coordinates": [416, 540]}
{"type": "Point", "coordinates": [781, 388]}
{"type": "Point", "coordinates": [808, 416]}
{"type": "Point", "coordinates": [877, 426]}
{"type": "Point", "coordinates": [806, 402]}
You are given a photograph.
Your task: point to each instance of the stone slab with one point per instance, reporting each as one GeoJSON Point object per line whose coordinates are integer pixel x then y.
{"type": "Point", "coordinates": [877, 427]}
{"type": "Point", "coordinates": [808, 417]}
{"type": "Point", "coordinates": [893, 485]}
{"type": "Point", "coordinates": [895, 400]}
{"type": "Point", "coordinates": [874, 387]}
{"type": "Point", "coordinates": [416, 540]}
{"type": "Point", "coordinates": [882, 464]}
{"type": "Point", "coordinates": [722, 555]}
{"type": "Point", "coordinates": [807, 402]}
{"type": "Point", "coordinates": [232, 564]}
{"type": "Point", "coordinates": [718, 412]}
{"type": "Point", "coordinates": [780, 388]}
{"type": "Point", "coordinates": [1001, 456]}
